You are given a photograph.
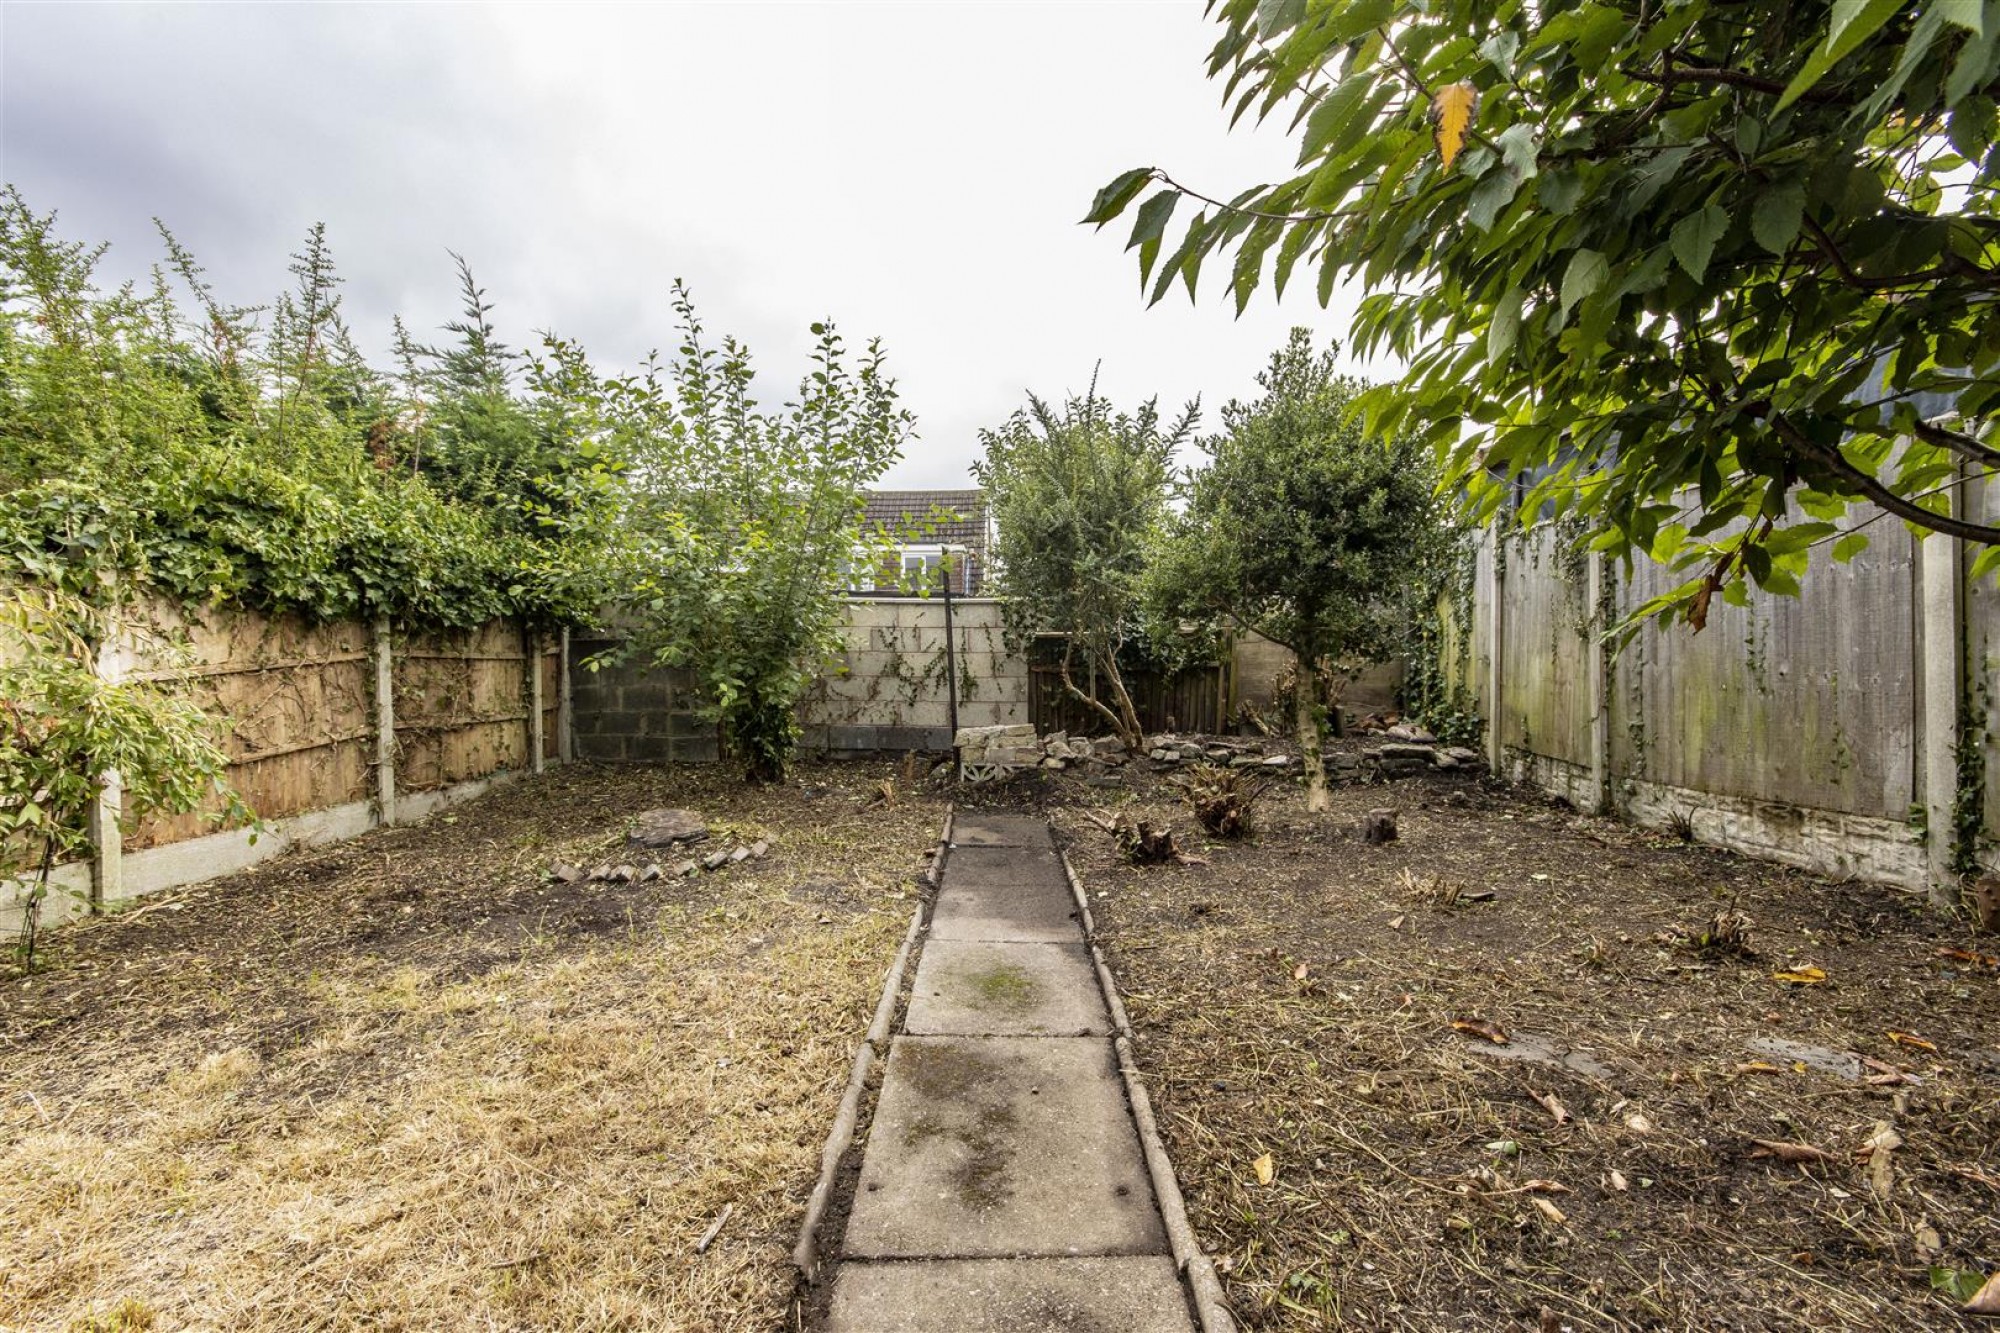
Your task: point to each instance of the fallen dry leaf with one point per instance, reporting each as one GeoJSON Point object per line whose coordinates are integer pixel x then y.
{"type": "Point", "coordinates": [1912, 1039]}
{"type": "Point", "coordinates": [1544, 1187]}
{"type": "Point", "coordinates": [1758, 1067]}
{"type": "Point", "coordinates": [1266, 1169]}
{"type": "Point", "coordinates": [1798, 1153]}
{"type": "Point", "coordinates": [1878, 1150]}
{"type": "Point", "coordinates": [1396, 922]}
{"type": "Point", "coordinates": [1638, 1123]}
{"type": "Point", "coordinates": [1800, 976]}
{"type": "Point", "coordinates": [1616, 1181]}
{"type": "Point", "coordinates": [1552, 1104]}
{"type": "Point", "coordinates": [1300, 972]}
{"type": "Point", "coordinates": [1973, 1173]}
{"type": "Point", "coordinates": [1481, 1027]}
{"type": "Point", "coordinates": [1548, 1210]}
{"type": "Point", "coordinates": [1966, 956]}
{"type": "Point", "coordinates": [1987, 1299]}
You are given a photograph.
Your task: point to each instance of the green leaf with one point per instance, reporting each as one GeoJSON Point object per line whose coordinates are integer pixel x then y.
{"type": "Point", "coordinates": [1777, 215]}
{"type": "Point", "coordinates": [1559, 190]}
{"type": "Point", "coordinates": [1332, 123]}
{"type": "Point", "coordinates": [1151, 222]}
{"type": "Point", "coordinates": [1849, 546]}
{"type": "Point", "coordinates": [1587, 271]}
{"type": "Point", "coordinates": [1500, 50]}
{"type": "Point", "coordinates": [1854, 21]}
{"type": "Point", "coordinates": [1111, 200]}
{"type": "Point", "coordinates": [1505, 330]}
{"type": "Point", "coordinates": [1693, 239]}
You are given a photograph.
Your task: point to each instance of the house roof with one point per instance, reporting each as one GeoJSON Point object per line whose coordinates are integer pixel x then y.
{"type": "Point", "coordinates": [891, 508]}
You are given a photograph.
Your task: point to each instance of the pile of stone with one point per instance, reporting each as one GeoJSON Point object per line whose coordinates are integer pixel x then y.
{"type": "Point", "coordinates": [658, 829]}
{"type": "Point", "coordinates": [995, 751]}
{"type": "Point", "coordinates": [1408, 749]}
{"type": "Point", "coordinates": [1169, 749]}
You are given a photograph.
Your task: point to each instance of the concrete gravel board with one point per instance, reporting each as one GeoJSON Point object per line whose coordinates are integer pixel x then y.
{"type": "Point", "coordinates": [1123, 1294]}
{"type": "Point", "coordinates": [1000, 831]}
{"type": "Point", "coordinates": [986, 1147]}
{"type": "Point", "coordinates": [990, 988]}
{"type": "Point", "coordinates": [1044, 912]}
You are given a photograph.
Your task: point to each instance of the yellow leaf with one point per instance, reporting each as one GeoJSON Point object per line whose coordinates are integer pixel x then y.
{"type": "Point", "coordinates": [1266, 1169]}
{"type": "Point", "coordinates": [1801, 976]}
{"type": "Point", "coordinates": [1453, 109]}
{"type": "Point", "coordinates": [1548, 1210]}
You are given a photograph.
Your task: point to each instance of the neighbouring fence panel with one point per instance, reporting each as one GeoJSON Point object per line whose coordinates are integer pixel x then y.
{"type": "Point", "coordinates": [1197, 699]}
{"type": "Point", "coordinates": [295, 703]}
{"type": "Point", "coordinates": [1793, 728]}
{"type": "Point", "coordinates": [1545, 705]}
{"type": "Point", "coordinates": [297, 715]}
{"type": "Point", "coordinates": [461, 705]}
{"type": "Point", "coordinates": [1806, 701]}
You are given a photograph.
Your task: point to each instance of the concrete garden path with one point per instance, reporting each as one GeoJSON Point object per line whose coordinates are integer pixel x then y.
{"type": "Point", "coordinates": [1003, 1188]}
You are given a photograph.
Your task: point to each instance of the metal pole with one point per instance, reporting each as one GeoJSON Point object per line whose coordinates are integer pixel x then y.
{"type": "Point", "coordinates": [950, 656]}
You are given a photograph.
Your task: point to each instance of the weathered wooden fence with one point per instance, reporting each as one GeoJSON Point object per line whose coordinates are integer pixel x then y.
{"type": "Point", "coordinates": [1846, 731]}
{"type": "Point", "coordinates": [331, 729]}
{"type": "Point", "coordinates": [1196, 699]}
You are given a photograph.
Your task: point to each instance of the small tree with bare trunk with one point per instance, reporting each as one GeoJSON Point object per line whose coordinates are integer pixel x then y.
{"type": "Point", "coordinates": [1305, 530]}
{"type": "Point", "coordinates": [1079, 498]}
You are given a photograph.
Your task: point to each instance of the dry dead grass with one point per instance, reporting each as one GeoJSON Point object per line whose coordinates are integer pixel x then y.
{"type": "Point", "coordinates": [408, 1135]}
{"type": "Point", "coordinates": [1295, 996]}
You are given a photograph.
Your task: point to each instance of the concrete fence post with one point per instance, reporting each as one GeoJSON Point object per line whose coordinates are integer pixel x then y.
{"type": "Point", "coordinates": [565, 705]}
{"type": "Point", "coordinates": [533, 644]}
{"type": "Point", "coordinates": [382, 644]}
{"type": "Point", "coordinates": [1491, 594]}
{"type": "Point", "coordinates": [106, 833]}
{"type": "Point", "coordinates": [1941, 673]}
{"type": "Point", "coordinates": [1597, 679]}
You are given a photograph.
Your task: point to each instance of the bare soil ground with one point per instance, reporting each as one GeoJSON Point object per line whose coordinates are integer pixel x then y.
{"type": "Point", "coordinates": [405, 1084]}
{"type": "Point", "coordinates": [1295, 998]}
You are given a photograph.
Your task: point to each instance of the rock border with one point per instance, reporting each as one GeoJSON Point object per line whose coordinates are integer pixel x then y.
{"type": "Point", "coordinates": [805, 1254]}
{"type": "Point", "coordinates": [1211, 1306]}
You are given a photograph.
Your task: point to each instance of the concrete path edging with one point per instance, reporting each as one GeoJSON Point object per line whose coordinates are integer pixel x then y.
{"type": "Point", "coordinates": [840, 1138]}
{"type": "Point", "coordinates": [1211, 1305]}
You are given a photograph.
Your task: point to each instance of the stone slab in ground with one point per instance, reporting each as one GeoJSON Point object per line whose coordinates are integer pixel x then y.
{"type": "Point", "coordinates": [1841, 1064]}
{"type": "Point", "coordinates": [1044, 911]}
{"type": "Point", "coordinates": [1537, 1049]}
{"type": "Point", "coordinates": [986, 1147]}
{"type": "Point", "coordinates": [987, 988]}
{"type": "Point", "coordinates": [1129, 1294]}
{"type": "Point", "coordinates": [976, 867]}
{"type": "Point", "coordinates": [1000, 831]}
{"type": "Point", "coordinates": [664, 828]}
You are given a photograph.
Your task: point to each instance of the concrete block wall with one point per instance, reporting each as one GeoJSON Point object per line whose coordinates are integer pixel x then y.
{"type": "Point", "coordinates": [632, 712]}
{"type": "Point", "coordinates": [888, 688]}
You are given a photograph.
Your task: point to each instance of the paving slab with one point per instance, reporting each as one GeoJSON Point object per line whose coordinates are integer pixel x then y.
{"type": "Point", "coordinates": [1125, 1294]}
{"type": "Point", "coordinates": [1036, 912]}
{"type": "Point", "coordinates": [1000, 831]}
{"type": "Point", "coordinates": [986, 1147]}
{"type": "Point", "coordinates": [985, 867]}
{"type": "Point", "coordinates": [988, 988]}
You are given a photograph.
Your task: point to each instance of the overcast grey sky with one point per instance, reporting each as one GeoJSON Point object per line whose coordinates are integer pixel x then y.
{"type": "Point", "coordinates": [910, 170]}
